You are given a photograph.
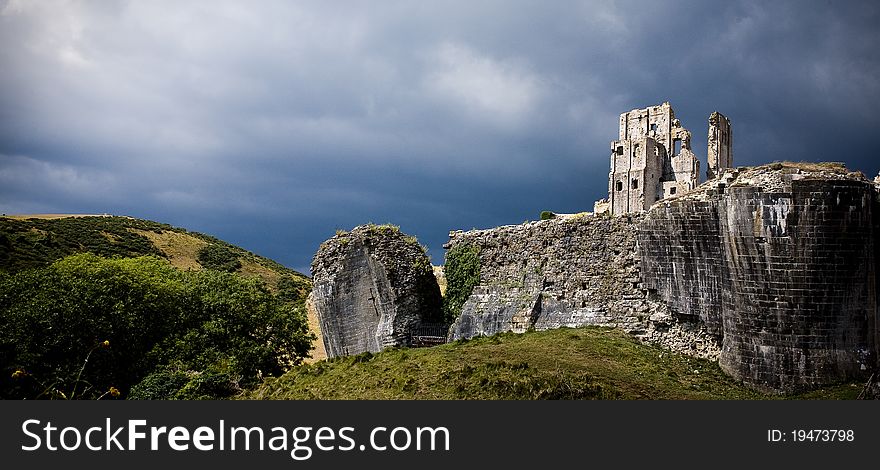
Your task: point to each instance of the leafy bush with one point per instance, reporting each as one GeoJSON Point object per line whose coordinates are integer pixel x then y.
{"type": "Point", "coordinates": [462, 270]}
{"type": "Point", "coordinates": [160, 385]}
{"type": "Point", "coordinates": [205, 323]}
{"type": "Point", "coordinates": [176, 384]}
{"type": "Point", "coordinates": [294, 288]}
{"type": "Point", "coordinates": [218, 257]}
{"type": "Point", "coordinates": [547, 215]}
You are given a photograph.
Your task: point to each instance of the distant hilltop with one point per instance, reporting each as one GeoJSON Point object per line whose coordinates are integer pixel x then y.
{"type": "Point", "coordinates": [56, 216]}
{"type": "Point", "coordinates": [36, 240]}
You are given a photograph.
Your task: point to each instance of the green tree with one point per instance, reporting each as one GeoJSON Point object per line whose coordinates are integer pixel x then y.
{"type": "Point", "coordinates": [218, 257]}
{"type": "Point", "coordinates": [154, 316]}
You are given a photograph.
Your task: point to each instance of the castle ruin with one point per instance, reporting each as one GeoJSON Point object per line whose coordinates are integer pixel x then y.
{"type": "Point", "coordinates": [771, 270]}
{"type": "Point", "coordinates": [652, 158]}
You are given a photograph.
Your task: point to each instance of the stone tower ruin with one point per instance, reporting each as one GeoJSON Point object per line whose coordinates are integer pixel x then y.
{"type": "Point", "coordinates": [720, 154]}
{"type": "Point", "coordinates": [652, 158]}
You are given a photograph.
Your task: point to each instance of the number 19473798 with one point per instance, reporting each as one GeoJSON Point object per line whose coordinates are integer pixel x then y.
{"type": "Point", "coordinates": [811, 435]}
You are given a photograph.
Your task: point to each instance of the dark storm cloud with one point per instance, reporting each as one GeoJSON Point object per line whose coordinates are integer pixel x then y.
{"type": "Point", "coordinates": [273, 123]}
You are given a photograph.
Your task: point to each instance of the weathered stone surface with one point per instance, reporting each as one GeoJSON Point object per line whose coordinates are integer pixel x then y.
{"type": "Point", "coordinates": [720, 151]}
{"type": "Point", "coordinates": [652, 158]}
{"type": "Point", "coordinates": [372, 287]}
{"type": "Point", "coordinates": [781, 261]}
{"type": "Point", "coordinates": [570, 271]}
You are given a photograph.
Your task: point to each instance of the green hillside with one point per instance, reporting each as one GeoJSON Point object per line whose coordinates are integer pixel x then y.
{"type": "Point", "coordinates": [586, 363]}
{"type": "Point", "coordinates": [38, 241]}
{"type": "Point", "coordinates": [103, 307]}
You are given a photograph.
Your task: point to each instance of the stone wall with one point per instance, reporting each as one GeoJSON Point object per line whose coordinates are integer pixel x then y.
{"type": "Point", "coordinates": [571, 271]}
{"type": "Point", "coordinates": [770, 270]}
{"type": "Point", "coordinates": [780, 261]}
{"type": "Point", "coordinates": [372, 287]}
{"type": "Point", "coordinates": [682, 260]}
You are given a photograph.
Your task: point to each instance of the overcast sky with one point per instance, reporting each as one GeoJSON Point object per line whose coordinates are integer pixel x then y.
{"type": "Point", "coordinates": [270, 124]}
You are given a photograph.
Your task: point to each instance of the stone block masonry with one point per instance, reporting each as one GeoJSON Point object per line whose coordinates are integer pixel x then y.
{"type": "Point", "coordinates": [781, 262]}
{"type": "Point", "coordinates": [720, 151]}
{"type": "Point", "coordinates": [373, 286]}
{"type": "Point", "coordinates": [570, 271]}
{"type": "Point", "coordinates": [682, 260]}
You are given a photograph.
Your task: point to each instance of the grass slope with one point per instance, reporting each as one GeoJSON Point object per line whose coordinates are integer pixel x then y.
{"type": "Point", "coordinates": [586, 363]}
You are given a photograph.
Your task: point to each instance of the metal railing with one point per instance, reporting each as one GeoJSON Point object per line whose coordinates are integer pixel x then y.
{"type": "Point", "coordinates": [428, 334]}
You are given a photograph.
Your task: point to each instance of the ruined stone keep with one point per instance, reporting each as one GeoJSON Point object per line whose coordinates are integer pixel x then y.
{"type": "Point", "coordinates": [652, 158]}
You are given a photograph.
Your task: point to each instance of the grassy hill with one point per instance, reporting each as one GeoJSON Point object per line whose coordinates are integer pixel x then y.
{"type": "Point", "coordinates": [38, 240]}
{"type": "Point", "coordinates": [586, 363]}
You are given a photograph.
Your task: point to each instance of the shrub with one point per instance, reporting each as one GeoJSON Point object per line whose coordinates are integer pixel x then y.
{"type": "Point", "coordinates": [547, 215]}
{"type": "Point", "coordinates": [294, 288]}
{"type": "Point", "coordinates": [160, 385]}
{"type": "Point", "coordinates": [462, 270]}
{"type": "Point", "coordinates": [175, 384]}
{"type": "Point", "coordinates": [153, 316]}
{"type": "Point", "coordinates": [219, 258]}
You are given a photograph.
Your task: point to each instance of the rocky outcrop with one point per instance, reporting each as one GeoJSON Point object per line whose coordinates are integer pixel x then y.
{"type": "Point", "coordinates": [373, 286]}
{"type": "Point", "coordinates": [780, 261]}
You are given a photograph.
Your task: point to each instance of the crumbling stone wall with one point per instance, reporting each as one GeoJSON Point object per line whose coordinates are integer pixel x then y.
{"type": "Point", "coordinates": [781, 262]}
{"type": "Point", "coordinates": [770, 270]}
{"type": "Point", "coordinates": [571, 271]}
{"type": "Point", "coordinates": [373, 286]}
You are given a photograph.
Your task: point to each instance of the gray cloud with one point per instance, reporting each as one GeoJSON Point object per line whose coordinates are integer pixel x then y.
{"type": "Point", "coordinates": [273, 123]}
